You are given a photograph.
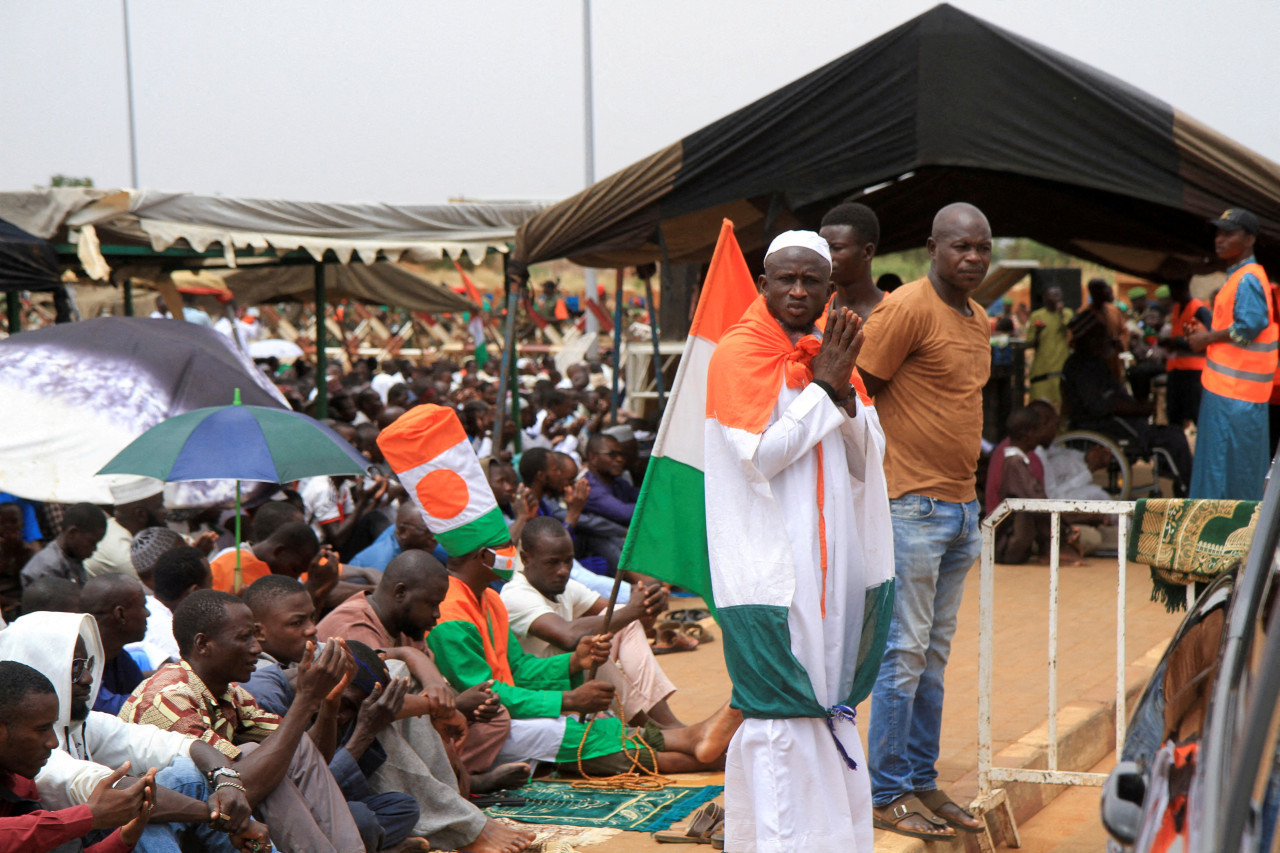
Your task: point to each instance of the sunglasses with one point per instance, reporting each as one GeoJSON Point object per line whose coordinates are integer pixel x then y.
{"type": "Point", "coordinates": [79, 665]}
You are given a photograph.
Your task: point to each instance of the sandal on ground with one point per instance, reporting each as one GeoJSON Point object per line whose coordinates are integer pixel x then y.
{"type": "Point", "coordinates": [697, 632]}
{"type": "Point", "coordinates": [890, 818]}
{"type": "Point", "coordinates": [702, 825]}
{"type": "Point", "coordinates": [669, 638]}
{"type": "Point", "coordinates": [937, 799]}
{"type": "Point", "coordinates": [688, 614]}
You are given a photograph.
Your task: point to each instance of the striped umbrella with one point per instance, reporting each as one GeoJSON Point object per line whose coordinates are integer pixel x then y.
{"type": "Point", "coordinates": [238, 443]}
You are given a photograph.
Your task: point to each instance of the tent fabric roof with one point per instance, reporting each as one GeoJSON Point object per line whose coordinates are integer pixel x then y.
{"type": "Point", "coordinates": [352, 231]}
{"type": "Point", "coordinates": [26, 261]}
{"type": "Point", "coordinates": [381, 283]}
{"type": "Point", "coordinates": [944, 108]}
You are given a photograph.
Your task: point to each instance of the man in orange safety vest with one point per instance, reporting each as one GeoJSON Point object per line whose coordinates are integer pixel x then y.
{"type": "Point", "coordinates": [1240, 365]}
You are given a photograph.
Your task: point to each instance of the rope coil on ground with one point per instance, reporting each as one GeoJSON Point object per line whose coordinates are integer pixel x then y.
{"type": "Point", "coordinates": [638, 778]}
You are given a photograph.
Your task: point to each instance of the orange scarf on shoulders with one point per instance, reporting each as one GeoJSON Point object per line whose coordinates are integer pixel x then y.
{"type": "Point", "coordinates": [490, 618]}
{"type": "Point", "coordinates": [750, 364]}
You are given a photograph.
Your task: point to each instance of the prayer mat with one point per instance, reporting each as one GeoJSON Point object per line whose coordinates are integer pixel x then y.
{"type": "Point", "coordinates": [553, 838]}
{"type": "Point", "coordinates": [634, 811]}
{"type": "Point", "coordinates": [1186, 541]}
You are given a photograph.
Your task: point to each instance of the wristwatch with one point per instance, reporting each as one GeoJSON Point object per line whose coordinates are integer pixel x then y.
{"type": "Point", "coordinates": [831, 392]}
{"type": "Point", "coordinates": [223, 773]}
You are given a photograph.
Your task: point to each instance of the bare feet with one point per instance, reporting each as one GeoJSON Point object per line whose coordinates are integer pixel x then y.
{"type": "Point", "coordinates": [500, 778]}
{"type": "Point", "coordinates": [412, 845]}
{"type": "Point", "coordinates": [499, 838]}
{"type": "Point", "coordinates": [717, 731]}
{"type": "Point", "coordinates": [663, 716]}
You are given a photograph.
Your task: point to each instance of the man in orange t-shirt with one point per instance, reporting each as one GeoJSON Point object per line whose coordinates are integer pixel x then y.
{"type": "Point", "coordinates": [926, 358]}
{"type": "Point", "coordinates": [287, 551]}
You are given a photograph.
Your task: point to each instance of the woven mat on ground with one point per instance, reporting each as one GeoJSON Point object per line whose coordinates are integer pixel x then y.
{"type": "Point", "coordinates": [635, 811]}
{"type": "Point", "coordinates": [1185, 541]}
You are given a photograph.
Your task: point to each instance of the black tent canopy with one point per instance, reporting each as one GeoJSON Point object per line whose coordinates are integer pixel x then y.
{"type": "Point", "coordinates": [944, 108]}
{"type": "Point", "coordinates": [26, 261]}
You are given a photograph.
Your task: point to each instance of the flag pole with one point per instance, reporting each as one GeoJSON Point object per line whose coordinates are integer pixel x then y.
{"type": "Point", "coordinates": [608, 617]}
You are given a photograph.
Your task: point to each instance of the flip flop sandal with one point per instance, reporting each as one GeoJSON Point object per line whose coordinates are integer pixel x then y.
{"type": "Point", "coordinates": [697, 632]}
{"type": "Point", "coordinates": [689, 614]}
{"type": "Point", "coordinates": [937, 798]}
{"type": "Point", "coordinates": [903, 808]}
{"type": "Point", "coordinates": [704, 822]}
{"type": "Point", "coordinates": [670, 640]}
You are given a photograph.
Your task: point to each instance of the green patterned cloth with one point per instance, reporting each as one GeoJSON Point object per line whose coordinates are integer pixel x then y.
{"type": "Point", "coordinates": [635, 811]}
{"type": "Point", "coordinates": [1186, 541]}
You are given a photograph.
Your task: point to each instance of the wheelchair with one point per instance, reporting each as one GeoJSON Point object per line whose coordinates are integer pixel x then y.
{"type": "Point", "coordinates": [1120, 465]}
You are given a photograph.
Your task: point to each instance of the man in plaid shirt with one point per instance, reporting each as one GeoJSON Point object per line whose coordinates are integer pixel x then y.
{"type": "Point", "coordinates": [284, 775]}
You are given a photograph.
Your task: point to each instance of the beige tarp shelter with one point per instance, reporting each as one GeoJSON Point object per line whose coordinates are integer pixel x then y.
{"type": "Point", "coordinates": [379, 284]}
{"type": "Point", "coordinates": [90, 219]}
{"type": "Point", "coordinates": [119, 234]}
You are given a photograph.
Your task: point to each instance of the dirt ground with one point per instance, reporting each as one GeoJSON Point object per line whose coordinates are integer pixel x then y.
{"type": "Point", "coordinates": [1087, 636]}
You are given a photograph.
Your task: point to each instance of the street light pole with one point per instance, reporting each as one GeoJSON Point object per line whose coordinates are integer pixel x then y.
{"type": "Point", "coordinates": [128, 76]}
{"type": "Point", "coordinates": [589, 154]}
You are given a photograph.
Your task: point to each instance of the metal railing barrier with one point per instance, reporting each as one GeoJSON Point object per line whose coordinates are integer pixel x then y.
{"type": "Point", "coordinates": [991, 799]}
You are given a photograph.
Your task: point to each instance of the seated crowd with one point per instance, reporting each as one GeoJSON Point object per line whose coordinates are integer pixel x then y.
{"type": "Point", "coordinates": [339, 682]}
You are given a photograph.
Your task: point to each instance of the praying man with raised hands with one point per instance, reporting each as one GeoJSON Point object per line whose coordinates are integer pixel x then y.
{"type": "Point", "coordinates": [801, 556]}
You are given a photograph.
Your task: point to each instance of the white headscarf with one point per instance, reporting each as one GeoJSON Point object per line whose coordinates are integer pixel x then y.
{"type": "Point", "coordinates": [804, 239]}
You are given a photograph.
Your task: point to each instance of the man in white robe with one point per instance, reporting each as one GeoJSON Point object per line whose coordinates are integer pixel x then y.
{"type": "Point", "coordinates": [801, 554]}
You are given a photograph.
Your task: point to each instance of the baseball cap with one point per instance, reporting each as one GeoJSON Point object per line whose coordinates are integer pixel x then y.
{"type": "Point", "coordinates": [1235, 218]}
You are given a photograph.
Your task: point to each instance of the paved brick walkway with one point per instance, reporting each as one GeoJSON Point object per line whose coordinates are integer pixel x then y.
{"type": "Point", "coordinates": [1085, 665]}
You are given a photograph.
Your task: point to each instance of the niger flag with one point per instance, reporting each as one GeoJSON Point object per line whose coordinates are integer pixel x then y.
{"type": "Point", "coordinates": [668, 534]}
{"type": "Point", "coordinates": [428, 449]}
{"type": "Point", "coordinates": [473, 292]}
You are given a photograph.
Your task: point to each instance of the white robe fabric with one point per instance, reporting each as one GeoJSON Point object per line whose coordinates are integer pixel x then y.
{"type": "Point", "coordinates": [787, 788]}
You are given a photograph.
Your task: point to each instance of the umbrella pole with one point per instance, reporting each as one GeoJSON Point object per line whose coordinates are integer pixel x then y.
{"type": "Point", "coordinates": [617, 344]}
{"type": "Point", "coordinates": [239, 575]}
{"type": "Point", "coordinates": [239, 581]}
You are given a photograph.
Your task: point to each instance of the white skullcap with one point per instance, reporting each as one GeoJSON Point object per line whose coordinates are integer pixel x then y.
{"type": "Point", "coordinates": [804, 239]}
{"type": "Point", "coordinates": [137, 489]}
{"type": "Point", "coordinates": [621, 432]}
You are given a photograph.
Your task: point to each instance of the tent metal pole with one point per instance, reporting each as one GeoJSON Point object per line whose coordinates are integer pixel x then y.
{"type": "Point", "coordinates": [617, 346]}
{"type": "Point", "coordinates": [127, 293]}
{"type": "Point", "coordinates": [13, 305]}
{"type": "Point", "coordinates": [653, 333]}
{"type": "Point", "coordinates": [506, 371]}
{"type": "Point", "coordinates": [322, 360]}
{"type": "Point", "coordinates": [518, 439]}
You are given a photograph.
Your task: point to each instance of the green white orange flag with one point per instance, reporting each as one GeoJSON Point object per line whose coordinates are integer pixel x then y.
{"type": "Point", "coordinates": [473, 292]}
{"type": "Point", "coordinates": [668, 534]}
{"type": "Point", "coordinates": [477, 323]}
{"type": "Point", "coordinates": [429, 451]}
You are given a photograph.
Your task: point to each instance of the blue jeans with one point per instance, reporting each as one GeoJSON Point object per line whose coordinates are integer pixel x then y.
{"type": "Point", "coordinates": [934, 544]}
{"type": "Point", "coordinates": [183, 776]}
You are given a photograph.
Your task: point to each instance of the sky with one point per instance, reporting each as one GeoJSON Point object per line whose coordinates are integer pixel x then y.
{"type": "Point", "coordinates": [420, 102]}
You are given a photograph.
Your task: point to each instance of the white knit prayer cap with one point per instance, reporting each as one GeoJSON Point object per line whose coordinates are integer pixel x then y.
{"type": "Point", "coordinates": [804, 239]}
{"type": "Point", "coordinates": [134, 489]}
